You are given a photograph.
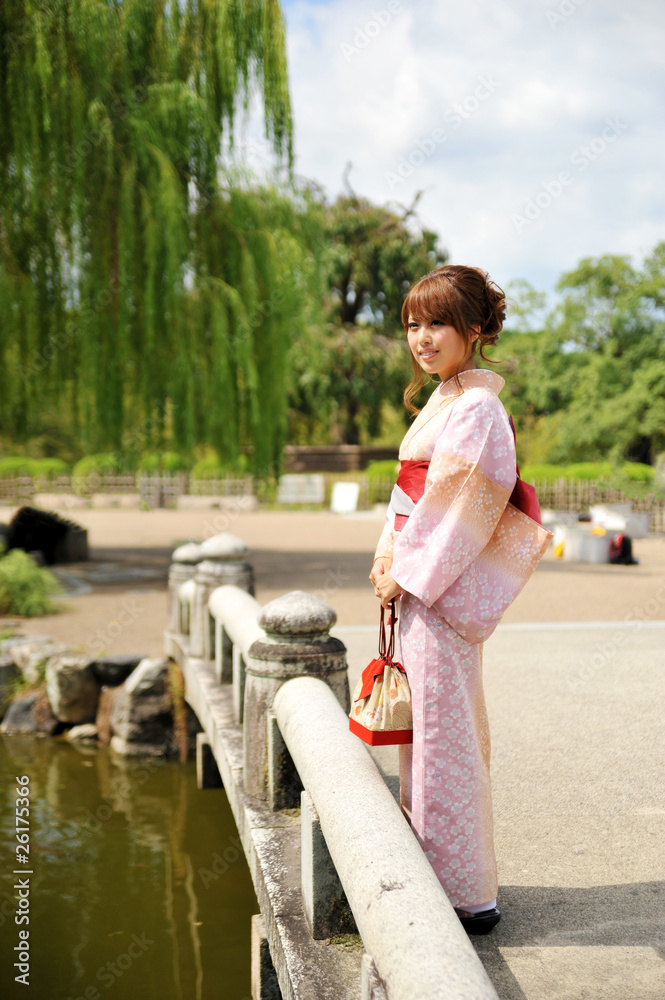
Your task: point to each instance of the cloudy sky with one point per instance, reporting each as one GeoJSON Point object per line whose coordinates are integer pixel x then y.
{"type": "Point", "coordinates": [534, 127]}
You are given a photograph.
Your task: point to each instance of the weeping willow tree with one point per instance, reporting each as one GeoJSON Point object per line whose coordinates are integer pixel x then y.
{"type": "Point", "coordinates": [144, 295]}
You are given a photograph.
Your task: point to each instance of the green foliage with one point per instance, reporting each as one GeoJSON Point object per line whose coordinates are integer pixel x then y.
{"type": "Point", "coordinates": [25, 588]}
{"type": "Point", "coordinates": [590, 385]}
{"type": "Point", "coordinates": [638, 472]}
{"type": "Point", "coordinates": [102, 464]}
{"type": "Point", "coordinates": [373, 255]}
{"type": "Point", "coordinates": [211, 467]}
{"type": "Point", "coordinates": [381, 478]}
{"type": "Point", "coordinates": [15, 466]}
{"type": "Point", "coordinates": [39, 468]}
{"type": "Point", "coordinates": [147, 294]}
{"type": "Point", "coordinates": [166, 461]}
{"type": "Point", "coordinates": [584, 471]}
{"type": "Point", "coordinates": [541, 472]}
{"type": "Point", "coordinates": [381, 470]}
{"type": "Point", "coordinates": [50, 468]}
{"type": "Point", "coordinates": [351, 357]}
{"type": "Point", "coordinates": [589, 471]}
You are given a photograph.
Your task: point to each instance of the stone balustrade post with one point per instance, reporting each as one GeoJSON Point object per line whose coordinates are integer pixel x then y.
{"type": "Point", "coordinates": [183, 566]}
{"type": "Point", "coordinates": [296, 644]}
{"type": "Point", "coordinates": [324, 901]}
{"type": "Point", "coordinates": [222, 563]}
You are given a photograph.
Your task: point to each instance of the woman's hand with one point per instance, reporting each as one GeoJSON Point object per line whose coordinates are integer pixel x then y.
{"type": "Point", "coordinates": [386, 589]}
{"type": "Point", "coordinates": [381, 565]}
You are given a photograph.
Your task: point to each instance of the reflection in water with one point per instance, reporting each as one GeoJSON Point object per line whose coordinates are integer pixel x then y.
{"type": "Point", "coordinates": [128, 898]}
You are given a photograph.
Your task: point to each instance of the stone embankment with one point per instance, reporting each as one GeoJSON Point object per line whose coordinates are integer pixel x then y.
{"type": "Point", "coordinates": [131, 702]}
{"type": "Point", "coordinates": [127, 701]}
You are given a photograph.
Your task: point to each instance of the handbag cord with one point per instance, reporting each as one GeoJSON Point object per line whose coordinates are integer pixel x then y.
{"type": "Point", "coordinates": [387, 650]}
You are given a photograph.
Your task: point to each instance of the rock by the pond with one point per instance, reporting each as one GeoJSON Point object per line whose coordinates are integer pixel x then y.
{"type": "Point", "coordinates": [72, 688]}
{"type": "Point", "coordinates": [31, 658]}
{"type": "Point", "coordinates": [87, 731]}
{"type": "Point", "coordinates": [30, 713]}
{"type": "Point", "coordinates": [9, 673]}
{"type": "Point", "coordinates": [7, 645]}
{"type": "Point", "coordinates": [142, 714]}
{"type": "Point", "coordinates": [113, 670]}
{"type": "Point", "coordinates": [107, 699]}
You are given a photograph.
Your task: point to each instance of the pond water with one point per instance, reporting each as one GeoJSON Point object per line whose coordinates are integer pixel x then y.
{"type": "Point", "coordinates": [135, 886]}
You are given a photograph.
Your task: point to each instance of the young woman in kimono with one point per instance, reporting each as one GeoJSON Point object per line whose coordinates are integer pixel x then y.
{"type": "Point", "coordinates": [464, 434]}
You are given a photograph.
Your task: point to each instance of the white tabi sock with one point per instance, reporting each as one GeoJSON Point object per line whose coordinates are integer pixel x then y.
{"type": "Point", "coordinates": [479, 908]}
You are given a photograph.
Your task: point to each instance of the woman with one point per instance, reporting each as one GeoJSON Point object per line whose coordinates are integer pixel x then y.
{"type": "Point", "coordinates": [463, 444]}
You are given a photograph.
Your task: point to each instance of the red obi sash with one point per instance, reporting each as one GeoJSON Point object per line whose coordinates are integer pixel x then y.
{"type": "Point", "coordinates": [411, 479]}
{"type": "Point", "coordinates": [412, 476]}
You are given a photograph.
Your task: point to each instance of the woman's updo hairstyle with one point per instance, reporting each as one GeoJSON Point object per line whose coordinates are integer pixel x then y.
{"type": "Point", "coordinates": [459, 296]}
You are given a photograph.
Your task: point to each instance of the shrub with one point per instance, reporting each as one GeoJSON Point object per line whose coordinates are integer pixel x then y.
{"type": "Point", "coordinates": [25, 587]}
{"type": "Point", "coordinates": [166, 461]}
{"type": "Point", "coordinates": [49, 468]}
{"type": "Point", "coordinates": [381, 477]}
{"type": "Point", "coordinates": [102, 464]}
{"type": "Point", "coordinates": [542, 473]}
{"type": "Point", "coordinates": [382, 470]}
{"type": "Point", "coordinates": [638, 472]}
{"type": "Point", "coordinates": [16, 465]}
{"type": "Point", "coordinates": [211, 467]}
{"type": "Point", "coordinates": [592, 471]}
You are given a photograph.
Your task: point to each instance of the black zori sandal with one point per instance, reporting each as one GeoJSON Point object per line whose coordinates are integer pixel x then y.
{"type": "Point", "coordinates": [479, 923]}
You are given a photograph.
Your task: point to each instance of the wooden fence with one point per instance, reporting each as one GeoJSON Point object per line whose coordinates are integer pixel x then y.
{"type": "Point", "coordinates": [162, 490]}
{"type": "Point", "coordinates": [151, 489]}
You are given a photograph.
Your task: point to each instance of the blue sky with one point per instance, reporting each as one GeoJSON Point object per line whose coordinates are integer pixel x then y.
{"type": "Point", "coordinates": [534, 127]}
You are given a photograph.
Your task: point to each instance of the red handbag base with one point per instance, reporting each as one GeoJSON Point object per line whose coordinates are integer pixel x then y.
{"type": "Point", "coordinates": [381, 739]}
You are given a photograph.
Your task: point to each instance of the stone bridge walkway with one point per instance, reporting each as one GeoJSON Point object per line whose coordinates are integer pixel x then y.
{"type": "Point", "coordinates": [578, 774]}
{"type": "Point", "coordinates": [576, 709]}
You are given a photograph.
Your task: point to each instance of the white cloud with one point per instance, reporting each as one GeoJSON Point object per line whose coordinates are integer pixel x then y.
{"type": "Point", "coordinates": [372, 99]}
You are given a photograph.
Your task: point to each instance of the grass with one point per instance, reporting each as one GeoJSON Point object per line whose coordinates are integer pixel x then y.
{"type": "Point", "coordinates": [25, 587]}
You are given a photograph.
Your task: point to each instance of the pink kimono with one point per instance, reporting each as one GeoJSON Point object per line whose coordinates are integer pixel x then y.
{"type": "Point", "coordinates": [444, 776]}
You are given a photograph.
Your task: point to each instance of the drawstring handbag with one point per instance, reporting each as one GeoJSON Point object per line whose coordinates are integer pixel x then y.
{"type": "Point", "coordinates": [381, 708]}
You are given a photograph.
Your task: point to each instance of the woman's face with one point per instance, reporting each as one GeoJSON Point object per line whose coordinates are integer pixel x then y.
{"type": "Point", "coordinates": [439, 349]}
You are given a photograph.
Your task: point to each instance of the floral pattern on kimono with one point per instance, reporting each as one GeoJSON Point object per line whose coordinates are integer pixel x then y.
{"type": "Point", "coordinates": [444, 776]}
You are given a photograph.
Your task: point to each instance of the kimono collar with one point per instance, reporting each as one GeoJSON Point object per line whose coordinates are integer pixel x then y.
{"type": "Point", "coordinates": [472, 379]}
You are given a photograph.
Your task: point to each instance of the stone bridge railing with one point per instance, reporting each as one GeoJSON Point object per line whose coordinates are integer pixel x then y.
{"type": "Point", "coordinates": [350, 906]}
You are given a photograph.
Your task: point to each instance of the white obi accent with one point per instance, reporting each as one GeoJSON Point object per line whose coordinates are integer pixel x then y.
{"type": "Point", "coordinates": [400, 502]}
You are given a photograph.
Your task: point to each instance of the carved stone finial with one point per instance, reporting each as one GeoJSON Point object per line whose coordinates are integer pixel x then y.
{"type": "Point", "coordinates": [190, 552]}
{"type": "Point", "coordinates": [223, 546]}
{"type": "Point", "coordinates": [297, 613]}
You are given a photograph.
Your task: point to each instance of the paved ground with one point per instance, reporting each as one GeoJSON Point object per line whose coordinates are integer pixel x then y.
{"type": "Point", "coordinates": [318, 552]}
{"type": "Point", "coordinates": [574, 684]}
{"type": "Point", "coordinates": [578, 768]}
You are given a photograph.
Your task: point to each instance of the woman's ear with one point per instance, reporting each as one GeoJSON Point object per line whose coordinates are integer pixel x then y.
{"type": "Point", "coordinates": [476, 334]}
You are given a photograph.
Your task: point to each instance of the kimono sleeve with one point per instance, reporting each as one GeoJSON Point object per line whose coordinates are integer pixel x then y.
{"type": "Point", "coordinates": [387, 539]}
{"type": "Point", "coordinates": [469, 482]}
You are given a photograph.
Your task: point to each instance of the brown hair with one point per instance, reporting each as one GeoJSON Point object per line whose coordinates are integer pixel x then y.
{"type": "Point", "coordinates": [459, 296]}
